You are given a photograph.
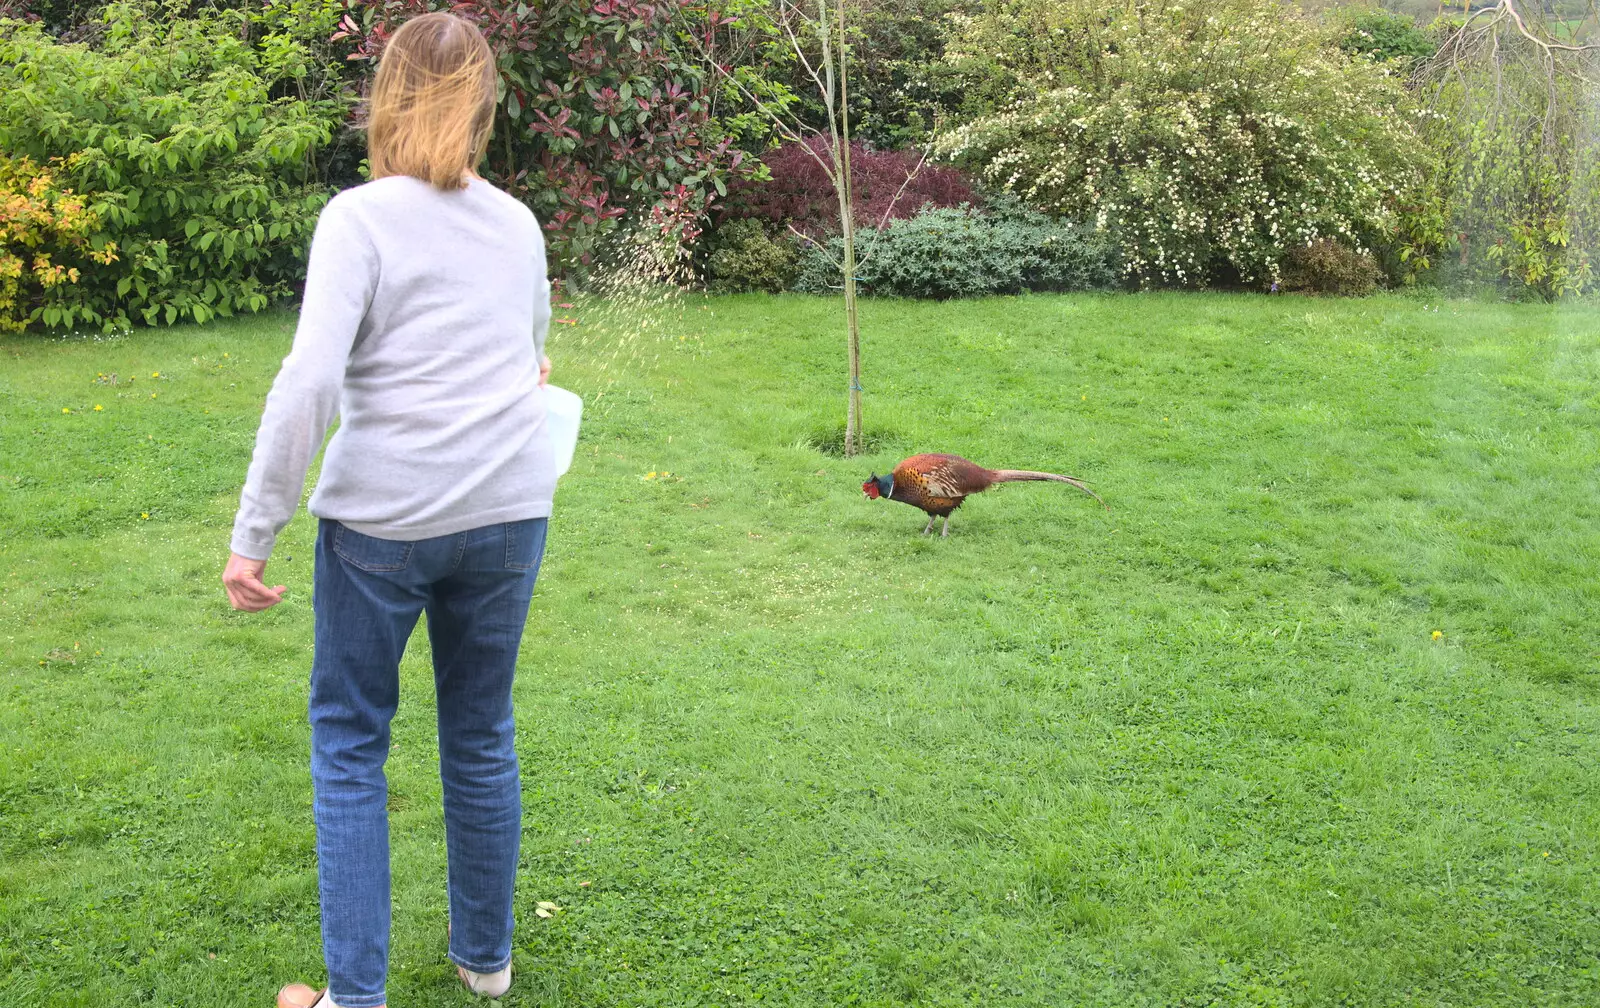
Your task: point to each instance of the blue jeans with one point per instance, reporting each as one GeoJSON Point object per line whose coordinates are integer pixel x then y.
{"type": "Point", "coordinates": [475, 587]}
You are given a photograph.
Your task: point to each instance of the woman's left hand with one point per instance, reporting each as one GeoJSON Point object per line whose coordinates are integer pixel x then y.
{"type": "Point", "coordinates": [246, 590]}
{"type": "Point", "coordinates": [544, 372]}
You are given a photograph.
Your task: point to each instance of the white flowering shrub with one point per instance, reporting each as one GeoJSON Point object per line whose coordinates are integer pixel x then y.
{"type": "Point", "coordinates": [1209, 140]}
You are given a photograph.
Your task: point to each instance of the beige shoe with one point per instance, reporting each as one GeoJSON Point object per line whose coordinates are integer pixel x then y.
{"type": "Point", "coordinates": [488, 984]}
{"type": "Point", "coordinates": [298, 996]}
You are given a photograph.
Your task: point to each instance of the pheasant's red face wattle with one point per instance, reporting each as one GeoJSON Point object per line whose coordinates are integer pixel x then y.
{"type": "Point", "coordinates": [870, 488]}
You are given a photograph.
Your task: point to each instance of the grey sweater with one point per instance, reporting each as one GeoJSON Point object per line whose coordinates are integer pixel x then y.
{"type": "Point", "coordinates": [422, 329]}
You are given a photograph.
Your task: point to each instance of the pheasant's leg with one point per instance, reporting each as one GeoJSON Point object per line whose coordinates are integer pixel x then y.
{"type": "Point", "coordinates": [946, 533]}
{"type": "Point", "coordinates": [930, 525]}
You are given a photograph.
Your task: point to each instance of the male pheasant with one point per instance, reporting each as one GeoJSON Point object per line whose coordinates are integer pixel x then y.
{"type": "Point", "coordinates": [938, 484]}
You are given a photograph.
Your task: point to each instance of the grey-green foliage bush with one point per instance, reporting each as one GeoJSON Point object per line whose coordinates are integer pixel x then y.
{"type": "Point", "coordinates": [746, 258]}
{"type": "Point", "coordinates": [199, 174]}
{"type": "Point", "coordinates": [949, 253]}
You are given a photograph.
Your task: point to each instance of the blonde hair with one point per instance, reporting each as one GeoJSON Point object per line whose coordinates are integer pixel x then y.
{"type": "Point", "coordinates": [432, 104]}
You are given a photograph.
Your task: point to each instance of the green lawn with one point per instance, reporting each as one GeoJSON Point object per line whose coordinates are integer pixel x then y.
{"type": "Point", "coordinates": [1202, 749]}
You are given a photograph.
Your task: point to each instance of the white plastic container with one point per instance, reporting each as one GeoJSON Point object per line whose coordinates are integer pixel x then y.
{"type": "Point", "coordinates": [563, 412]}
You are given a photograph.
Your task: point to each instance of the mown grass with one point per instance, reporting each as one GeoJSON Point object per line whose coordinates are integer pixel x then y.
{"type": "Point", "coordinates": [1200, 750]}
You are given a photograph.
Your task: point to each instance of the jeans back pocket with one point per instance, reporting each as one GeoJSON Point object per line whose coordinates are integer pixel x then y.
{"type": "Point", "coordinates": [525, 543]}
{"type": "Point", "coordinates": [369, 553]}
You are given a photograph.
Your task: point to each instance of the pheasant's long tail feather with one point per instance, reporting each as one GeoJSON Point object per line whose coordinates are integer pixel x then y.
{"type": "Point", "coordinates": [1018, 475]}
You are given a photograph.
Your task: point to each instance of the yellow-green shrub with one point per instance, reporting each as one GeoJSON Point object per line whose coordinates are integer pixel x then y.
{"type": "Point", "coordinates": [39, 221]}
{"type": "Point", "coordinates": [172, 135]}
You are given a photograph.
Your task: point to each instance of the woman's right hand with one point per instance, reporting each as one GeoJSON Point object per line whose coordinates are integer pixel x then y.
{"type": "Point", "coordinates": [544, 372]}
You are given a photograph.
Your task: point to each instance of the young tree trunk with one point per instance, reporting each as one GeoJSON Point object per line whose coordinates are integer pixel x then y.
{"type": "Point", "coordinates": [847, 224]}
{"type": "Point", "coordinates": [831, 75]}
{"type": "Point", "coordinates": [852, 419]}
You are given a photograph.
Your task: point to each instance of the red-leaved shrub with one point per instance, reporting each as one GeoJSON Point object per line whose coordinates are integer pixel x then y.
{"type": "Point", "coordinates": [801, 195]}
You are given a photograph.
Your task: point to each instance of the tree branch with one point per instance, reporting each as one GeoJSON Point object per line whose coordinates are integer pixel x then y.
{"type": "Point", "coordinates": [1511, 9]}
{"type": "Point", "coordinates": [884, 220]}
{"type": "Point", "coordinates": [776, 118]}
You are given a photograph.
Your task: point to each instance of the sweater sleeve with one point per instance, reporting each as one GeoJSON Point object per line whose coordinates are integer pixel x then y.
{"type": "Point", "coordinates": [541, 293]}
{"type": "Point", "coordinates": [541, 320]}
{"type": "Point", "coordinates": [341, 276]}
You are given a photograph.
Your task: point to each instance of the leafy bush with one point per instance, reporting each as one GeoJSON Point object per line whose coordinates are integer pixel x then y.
{"type": "Point", "coordinates": [800, 193]}
{"type": "Point", "coordinates": [1542, 257]}
{"type": "Point", "coordinates": [898, 86]}
{"type": "Point", "coordinates": [39, 220]}
{"type": "Point", "coordinates": [1326, 267]}
{"type": "Point", "coordinates": [1512, 185]}
{"type": "Point", "coordinates": [1383, 36]}
{"type": "Point", "coordinates": [746, 258]}
{"type": "Point", "coordinates": [197, 174]}
{"type": "Point", "coordinates": [56, 15]}
{"type": "Point", "coordinates": [948, 253]}
{"type": "Point", "coordinates": [895, 79]}
{"type": "Point", "coordinates": [1211, 139]}
{"type": "Point", "coordinates": [605, 109]}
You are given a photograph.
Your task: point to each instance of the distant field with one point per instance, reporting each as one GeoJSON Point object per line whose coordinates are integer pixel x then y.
{"type": "Point", "coordinates": [1308, 718]}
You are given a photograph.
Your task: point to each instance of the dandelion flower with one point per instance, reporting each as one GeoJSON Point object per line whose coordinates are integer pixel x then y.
{"type": "Point", "coordinates": [152, 395]}
{"type": "Point", "coordinates": [144, 516]}
{"type": "Point", "coordinates": [1437, 634]}
{"type": "Point", "coordinates": [155, 374]}
{"type": "Point", "coordinates": [99, 408]}
{"type": "Point", "coordinates": [66, 409]}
